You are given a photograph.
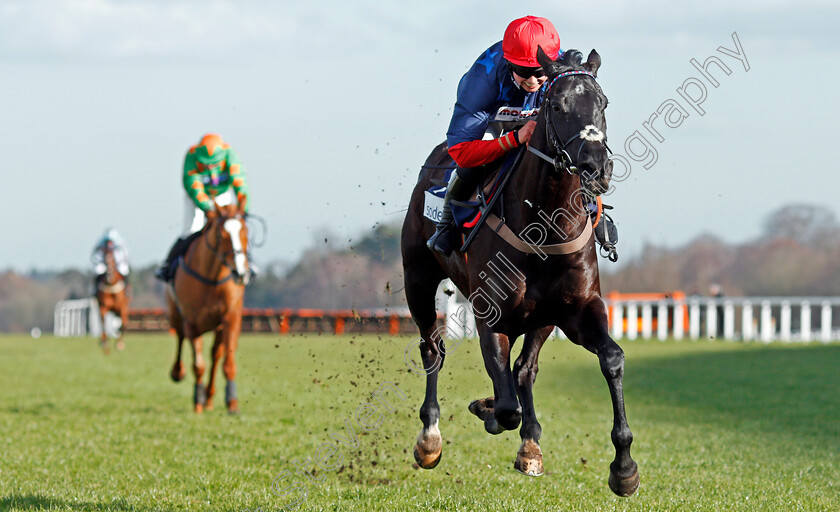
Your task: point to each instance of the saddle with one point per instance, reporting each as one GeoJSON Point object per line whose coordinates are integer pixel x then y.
{"type": "Point", "coordinates": [467, 214]}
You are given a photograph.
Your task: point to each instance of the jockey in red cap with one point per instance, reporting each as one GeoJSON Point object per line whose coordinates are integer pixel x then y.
{"type": "Point", "coordinates": [497, 100]}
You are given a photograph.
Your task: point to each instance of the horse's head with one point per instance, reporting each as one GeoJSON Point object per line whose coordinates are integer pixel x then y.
{"type": "Point", "coordinates": [573, 111]}
{"type": "Point", "coordinates": [228, 238]}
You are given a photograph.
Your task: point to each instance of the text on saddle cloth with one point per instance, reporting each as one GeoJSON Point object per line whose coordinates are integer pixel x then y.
{"type": "Point", "coordinates": [465, 212]}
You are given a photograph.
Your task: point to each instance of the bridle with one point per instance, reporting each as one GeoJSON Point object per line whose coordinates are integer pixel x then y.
{"type": "Point", "coordinates": [563, 162]}
{"type": "Point", "coordinates": [221, 256]}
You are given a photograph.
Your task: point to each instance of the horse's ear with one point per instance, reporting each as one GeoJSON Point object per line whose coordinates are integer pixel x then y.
{"type": "Point", "coordinates": [593, 62]}
{"type": "Point", "coordinates": [544, 60]}
{"type": "Point", "coordinates": [550, 66]}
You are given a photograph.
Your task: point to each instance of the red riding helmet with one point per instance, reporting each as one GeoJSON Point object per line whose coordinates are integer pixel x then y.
{"type": "Point", "coordinates": [524, 35]}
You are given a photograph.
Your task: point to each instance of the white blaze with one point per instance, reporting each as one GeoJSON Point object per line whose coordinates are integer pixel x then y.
{"type": "Point", "coordinates": [591, 133]}
{"type": "Point", "coordinates": [233, 227]}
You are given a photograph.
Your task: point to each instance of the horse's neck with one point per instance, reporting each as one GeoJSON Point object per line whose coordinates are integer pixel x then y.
{"type": "Point", "coordinates": [111, 274]}
{"type": "Point", "coordinates": [537, 195]}
{"type": "Point", "coordinates": [200, 256]}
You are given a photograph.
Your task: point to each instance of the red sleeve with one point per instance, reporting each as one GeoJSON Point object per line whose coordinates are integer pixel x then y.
{"type": "Point", "coordinates": [473, 153]}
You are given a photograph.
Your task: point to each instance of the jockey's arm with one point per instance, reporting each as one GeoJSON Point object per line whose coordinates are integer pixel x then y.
{"type": "Point", "coordinates": [475, 107]}
{"type": "Point", "coordinates": [194, 186]}
{"type": "Point", "coordinates": [238, 179]}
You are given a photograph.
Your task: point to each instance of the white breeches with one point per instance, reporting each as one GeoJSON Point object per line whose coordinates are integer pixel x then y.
{"type": "Point", "coordinates": [194, 216]}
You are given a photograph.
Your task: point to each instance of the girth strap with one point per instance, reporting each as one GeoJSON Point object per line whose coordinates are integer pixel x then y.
{"type": "Point", "coordinates": [572, 246]}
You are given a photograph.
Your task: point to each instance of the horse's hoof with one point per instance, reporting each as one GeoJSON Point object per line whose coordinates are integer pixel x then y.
{"type": "Point", "coordinates": [492, 426]}
{"type": "Point", "coordinates": [483, 407]}
{"type": "Point", "coordinates": [529, 459]}
{"type": "Point", "coordinates": [233, 407]}
{"type": "Point", "coordinates": [120, 345]}
{"type": "Point", "coordinates": [427, 451]}
{"type": "Point", "coordinates": [427, 460]}
{"type": "Point", "coordinates": [624, 486]}
{"type": "Point", "coordinates": [178, 376]}
{"type": "Point", "coordinates": [198, 408]}
{"type": "Point", "coordinates": [209, 405]}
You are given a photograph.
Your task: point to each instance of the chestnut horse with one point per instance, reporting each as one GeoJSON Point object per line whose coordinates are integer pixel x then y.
{"type": "Point", "coordinates": [527, 287]}
{"type": "Point", "coordinates": [206, 295]}
{"type": "Point", "coordinates": [112, 296]}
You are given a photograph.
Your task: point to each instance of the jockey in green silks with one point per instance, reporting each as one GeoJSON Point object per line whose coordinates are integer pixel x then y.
{"type": "Point", "coordinates": [212, 172]}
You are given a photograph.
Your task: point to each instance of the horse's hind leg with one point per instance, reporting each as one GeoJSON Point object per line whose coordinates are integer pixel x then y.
{"type": "Point", "coordinates": [590, 331]}
{"type": "Point", "coordinates": [178, 372]}
{"type": "Point", "coordinates": [216, 356]}
{"type": "Point", "coordinates": [529, 457]}
{"type": "Point", "coordinates": [495, 349]}
{"type": "Point", "coordinates": [420, 289]}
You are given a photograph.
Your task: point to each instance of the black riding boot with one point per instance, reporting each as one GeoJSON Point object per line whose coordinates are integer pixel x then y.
{"type": "Point", "coordinates": [441, 242]}
{"type": "Point", "coordinates": [164, 272]}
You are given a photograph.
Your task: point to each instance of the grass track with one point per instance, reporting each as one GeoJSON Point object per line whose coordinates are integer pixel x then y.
{"type": "Point", "coordinates": [718, 426]}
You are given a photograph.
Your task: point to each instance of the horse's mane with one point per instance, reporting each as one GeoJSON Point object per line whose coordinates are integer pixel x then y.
{"type": "Point", "coordinates": [571, 60]}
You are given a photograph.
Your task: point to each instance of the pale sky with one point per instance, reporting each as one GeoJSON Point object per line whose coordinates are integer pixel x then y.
{"type": "Point", "coordinates": [334, 105]}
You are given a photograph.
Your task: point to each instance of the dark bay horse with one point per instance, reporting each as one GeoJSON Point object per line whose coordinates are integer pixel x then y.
{"type": "Point", "coordinates": [112, 296]}
{"type": "Point", "coordinates": [525, 285]}
{"type": "Point", "coordinates": [206, 295]}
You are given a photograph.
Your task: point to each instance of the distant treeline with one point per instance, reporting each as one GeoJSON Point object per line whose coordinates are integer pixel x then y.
{"type": "Point", "coordinates": [798, 253]}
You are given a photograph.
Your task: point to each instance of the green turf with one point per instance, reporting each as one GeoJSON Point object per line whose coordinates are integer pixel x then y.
{"type": "Point", "coordinates": [718, 426]}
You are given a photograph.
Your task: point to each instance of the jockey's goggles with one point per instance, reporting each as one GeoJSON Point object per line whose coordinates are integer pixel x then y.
{"type": "Point", "coordinates": [527, 72]}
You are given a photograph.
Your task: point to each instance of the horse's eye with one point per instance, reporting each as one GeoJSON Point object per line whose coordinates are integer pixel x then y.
{"type": "Point", "coordinates": [555, 107]}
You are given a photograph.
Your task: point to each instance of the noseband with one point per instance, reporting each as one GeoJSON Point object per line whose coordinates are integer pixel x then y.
{"type": "Point", "coordinates": [563, 161]}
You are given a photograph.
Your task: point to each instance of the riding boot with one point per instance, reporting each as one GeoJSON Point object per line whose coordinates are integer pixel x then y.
{"type": "Point", "coordinates": [441, 241]}
{"type": "Point", "coordinates": [164, 272]}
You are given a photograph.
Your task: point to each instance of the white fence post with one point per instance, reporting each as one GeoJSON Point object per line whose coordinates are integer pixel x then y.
{"type": "Point", "coordinates": [618, 320]}
{"type": "Point", "coordinates": [747, 321]}
{"type": "Point", "coordinates": [662, 321]}
{"type": "Point", "coordinates": [805, 321]}
{"type": "Point", "coordinates": [766, 326]}
{"type": "Point", "coordinates": [825, 322]}
{"type": "Point", "coordinates": [784, 321]}
{"type": "Point", "coordinates": [711, 320]}
{"type": "Point", "coordinates": [679, 326]}
{"type": "Point", "coordinates": [694, 320]}
{"type": "Point", "coordinates": [728, 320]}
{"type": "Point", "coordinates": [647, 320]}
{"type": "Point", "coordinates": [632, 321]}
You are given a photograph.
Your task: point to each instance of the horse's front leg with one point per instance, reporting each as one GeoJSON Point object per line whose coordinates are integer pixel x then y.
{"type": "Point", "coordinates": [429, 446]}
{"type": "Point", "coordinates": [200, 394]}
{"type": "Point", "coordinates": [216, 354]}
{"type": "Point", "coordinates": [529, 458]}
{"type": "Point", "coordinates": [103, 339]}
{"type": "Point", "coordinates": [230, 341]}
{"type": "Point", "coordinates": [590, 331]}
{"type": "Point", "coordinates": [124, 325]}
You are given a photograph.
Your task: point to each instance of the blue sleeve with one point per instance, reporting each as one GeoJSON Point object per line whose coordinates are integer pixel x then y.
{"type": "Point", "coordinates": [477, 99]}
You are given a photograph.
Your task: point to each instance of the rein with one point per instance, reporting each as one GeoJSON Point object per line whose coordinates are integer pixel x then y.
{"type": "Point", "coordinates": [192, 273]}
{"type": "Point", "coordinates": [562, 162]}
{"type": "Point", "coordinates": [216, 254]}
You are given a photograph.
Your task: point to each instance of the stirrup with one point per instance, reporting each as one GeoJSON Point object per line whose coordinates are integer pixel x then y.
{"type": "Point", "coordinates": [441, 241]}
